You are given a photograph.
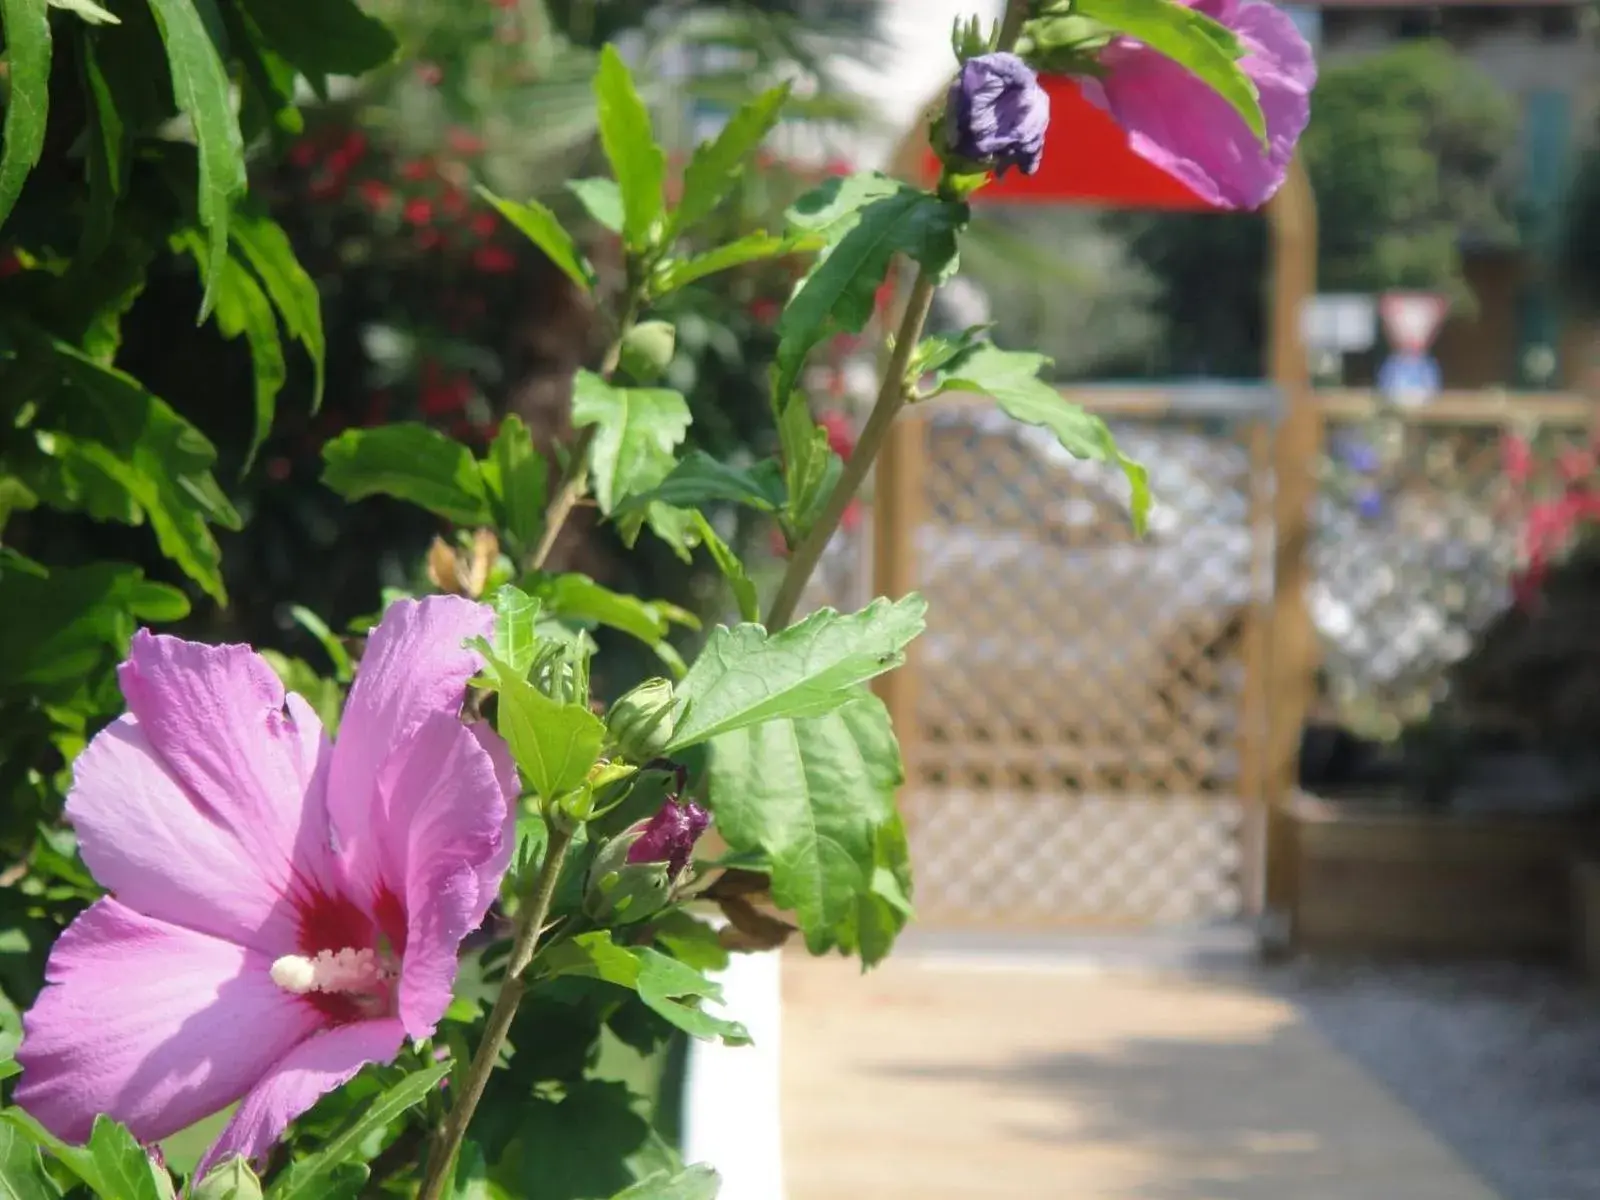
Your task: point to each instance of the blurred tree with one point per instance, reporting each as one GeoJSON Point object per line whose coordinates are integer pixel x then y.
{"type": "Point", "coordinates": [1405, 150]}
{"type": "Point", "coordinates": [1579, 254]}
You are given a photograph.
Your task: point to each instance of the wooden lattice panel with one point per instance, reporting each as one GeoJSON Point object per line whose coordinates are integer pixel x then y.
{"type": "Point", "coordinates": [1078, 687]}
{"type": "Point", "coordinates": [1416, 542]}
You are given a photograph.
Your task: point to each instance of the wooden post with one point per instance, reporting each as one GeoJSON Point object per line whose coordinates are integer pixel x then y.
{"type": "Point", "coordinates": [897, 514]}
{"type": "Point", "coordinates": [1293, 650]}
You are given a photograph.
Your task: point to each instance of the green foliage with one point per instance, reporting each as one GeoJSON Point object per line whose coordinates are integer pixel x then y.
{"type": "Point", "coordinates": [409, 462]}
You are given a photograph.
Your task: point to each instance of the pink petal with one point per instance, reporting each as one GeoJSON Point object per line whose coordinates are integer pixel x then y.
{"type": "Point", "coordinates": [305, 1074]}
{"type": "Point", "coordinates": [156, 1025]}
{"type": "Point", "coordinates": [1177, 122]}
{"type": "Point", "coordinates": [442, 831]}
{"type": "Point", "coordinates": [414, 667]}
{"type": "Point", "coordinates": [179, 831]}
{"type": "Point", "coordinates": [505, 770]}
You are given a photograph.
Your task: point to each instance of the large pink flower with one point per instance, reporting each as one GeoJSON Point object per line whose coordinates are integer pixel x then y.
{"type": "Point", "coordinates": [1182, 126]}
{"type": "Point", "coordinates": [283, 910]}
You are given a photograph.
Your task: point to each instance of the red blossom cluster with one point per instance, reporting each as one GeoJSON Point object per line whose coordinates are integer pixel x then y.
{"type": "Point", "coordinates": [1551, 524]}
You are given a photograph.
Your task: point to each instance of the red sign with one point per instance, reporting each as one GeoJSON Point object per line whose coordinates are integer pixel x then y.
{"type": "Point", "coordinates": [1087, 160]}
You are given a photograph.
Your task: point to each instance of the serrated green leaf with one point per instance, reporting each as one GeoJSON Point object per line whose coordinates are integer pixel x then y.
{"type": "Point", "coordinates": [692, 1183]}
{"type": "Point", "coordinates": [516, 476]}
{"type": "Point", "coordinates": [700, 479]}
{"type": "Point", "coordinates": [752, 247]}
{"type": "Point", "coordinates": [746, 676]}
{"type": "Point", "coordinates": [323, 37]}
{"type": "Point", "coordinates": [637, 430]}
{"type": "Point", "coordinates": [22, 1173]}
{"type": "Point", "coordinates": [313, 1178]}
{"type": "Point", "coordinates": [554, 744]}
{"type": "Point", "coordinates": [1011, 378]}
{"type": "Point", "coordinates": [717, 164]}
{"type": "Point", "coordinates": [812, 795]}
{"type": "Point", "coordinates": [601, 199]}
{"type": "Point", "coordinates": [667, 986]}
{"type": "Point", "coordinates": [577, 1147]}
{"type": "Point", "coordinates": [292, 291]}
{"type": "Point", "coordinates": [867, 220]}
{"type": "Point", "coordinates": [516, 618]}
{"type": "Point", "coordinates": [105, 157]}
{"type": "Point", "coordinates": [203, 91]}
{"type": "Point", "coordinates": [744, 591]}
{"type": "Point", "coordinates": [543, 228]}
{"type": "Point", "coordinates": [411, 462]}
{"type": "Point", "coordinates": [577, 597]}
{"type": "Point", "coordinates": [233, 1180]}
{"type": "Point", "coordinates": [28, 46]}
{"type": "Point", "coordinates": [637, 162]}
{"type": "Point", "coordinates": [1196, 42]}
{"type": "Point", "coordinates": [689, 940]}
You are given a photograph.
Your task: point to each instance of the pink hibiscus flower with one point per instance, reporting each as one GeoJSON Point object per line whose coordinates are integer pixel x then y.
{"type": "Point", "coordinates": [283, 909]}
{"type": "Point", "coordinates": [1178, 123]}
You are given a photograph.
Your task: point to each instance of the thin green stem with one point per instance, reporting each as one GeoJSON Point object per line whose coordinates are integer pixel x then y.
{"type": "Point", "coordinates": [530, 924]}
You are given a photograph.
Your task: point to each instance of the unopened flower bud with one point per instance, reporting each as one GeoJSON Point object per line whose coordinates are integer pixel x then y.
{"type": "Point", "coordinates": [647, 350]}
{"type": "Point", "coordinates": [634, 874]}
{"type": "Point", "coordinates": [641, 722]}
{"type": "Point", "coordinates": [996, 113]}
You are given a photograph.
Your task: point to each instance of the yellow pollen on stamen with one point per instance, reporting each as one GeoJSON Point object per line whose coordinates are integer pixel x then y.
{"type": "Point", "coordinates": [330, 971]}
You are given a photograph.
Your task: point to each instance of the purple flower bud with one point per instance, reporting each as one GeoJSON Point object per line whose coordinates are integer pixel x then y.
{"type": "Point", "coordinates": [1369, 503]}
{"type": "Point", "coordinates": [997, 114]}
{"type": "Point", "coordinates": [670, 835]}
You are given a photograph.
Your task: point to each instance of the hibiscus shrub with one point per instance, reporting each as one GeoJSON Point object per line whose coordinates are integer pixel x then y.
{"type": "Point", "coordinates": [375, 934]}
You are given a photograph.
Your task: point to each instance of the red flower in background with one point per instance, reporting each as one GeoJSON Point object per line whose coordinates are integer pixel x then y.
{"type": "Point", "coordinates": [841, 434]}
{"type": "Point", "coordinates": [10, 264]}
{"type": "Point", "coordinates": [417, 211]}
{"type": "Point", "coordinates": [494, 260]}
{"type": "Point", "coordinates": [463, 141]}
{"type": "Point", "coordinates": [376, 194]}
{"type": "Point", "coordinates": [418, 169]}
{"type": "Point", "coordinates": [430, 74]}
{"type": "Point", "coordinates": [483, 224]}
{"type": "Point", "coordinates": [1516, 458]}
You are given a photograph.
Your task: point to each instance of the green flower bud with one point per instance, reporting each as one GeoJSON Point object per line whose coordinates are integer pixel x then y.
{"type": "Point", "coordinates": [641, 723]}
{"type": "Point", "coordinates": [647, 350]}
{"type": "Point", "coordinates": [618, 892]}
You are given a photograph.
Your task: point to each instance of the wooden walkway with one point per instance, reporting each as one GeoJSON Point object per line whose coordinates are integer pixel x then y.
{"type": "Point", "coordinates": [944, 1080]}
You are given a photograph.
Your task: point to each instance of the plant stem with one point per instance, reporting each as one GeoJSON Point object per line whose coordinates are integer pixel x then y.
{"type": "Point", "coordinates": [530, 923]}
{"type": "Point", "coordinates": [892, 396]}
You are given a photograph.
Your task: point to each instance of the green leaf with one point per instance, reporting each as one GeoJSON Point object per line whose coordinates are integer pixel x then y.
{"type": "Point", "coordinates": [752, 247]}
{"type": "Point", "coordinates": [810, 467]}
{"type": "Point", "coordinates": [343, 670]}
{"type": "Point", "coordinates": [700, 479]}
{"type": "Point", "coordinates": [1011, 377]}
{"type": "Point", "coordinates": [62, 623]}
{"type": "Point", "coordinates": [243, 309]}
{"type": "Point", "coordinates": [516, 617]}
{"type": "Point", "coordinates": [22, 1173]}
{"type": "Point", "coordinates": [541, 227]}
{"type": "Point", "coordinates": [157, 457]}
{"type": "Point", "coordinates": [601, 199]}
{"type": "Point", "coordinates": [637, 430]}
{"type": "Point", "coordinates": [323, 37]}
{"type": "Point", "coordinates": [716, 165]}
{"type": "Point", "coordinates": [554, 744]}
{"type": "Point", "coordinates": [577, 1147]}
{"type": "Point", "coordinates": [666, 985]}
{"type": "Point", "coordinates": [578, 597]}
{"type": "Point", "coordinates": [692, 1183]}
{"type": "Point", "coordinates": [866, 219]}
{"type": "Point", "coordinates": [293, 292]}
{"type": "Point", "coordinates": [76, 1159]}
{"type": "Point", "coordinates": [88, 10]}
{"type": "Point", "coordinates": [150, 601]}
{"type": "Point", "coordinates": [107, 146]}
{"type": "Point", "coordinates": [233, 1180]}
{"type": "Point", "coordinates": [203, 91]}
{"type": "Point", "coordinates": [410, 462]}
{"type": "Point", "coordinates": [636, 160]}
{"type": "Point", "coordinates": [689, 940]}
{"type": "Point", "coordinates": [1202, 46]}
{"type": "Point", "coordinates": [813, 795]}
{"type": "Point", "coordinates": [515, 474]}
{"type": "Point", "coordinates": [313, 1178]}
{"type": "Point", "coordinates": [745, 676]}
{"type": "Point", "coordinates": [123, 1168]}
{"type": "Point", "coordinates": [27, 30]}
{"type": "Point", "coordinates": [940, 349]}
{"type": "Point", "coordinates": [744, 591]}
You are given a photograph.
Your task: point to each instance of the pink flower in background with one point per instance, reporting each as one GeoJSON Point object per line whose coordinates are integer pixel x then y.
{"type": "Point", "coordinates": [283, 909]}
{"type": "Point", "coordinates": [1178, 123]}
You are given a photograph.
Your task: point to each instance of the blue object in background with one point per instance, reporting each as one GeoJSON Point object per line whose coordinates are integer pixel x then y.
{"type": "Point", "coordinates": [1412, 378]}
{"type": "Point", "coordinates": [1358, 455]}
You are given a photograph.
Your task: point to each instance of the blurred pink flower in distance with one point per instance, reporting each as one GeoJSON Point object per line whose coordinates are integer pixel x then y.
{"type": "Point", "coordinates": [283, 908]}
